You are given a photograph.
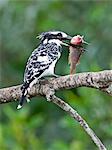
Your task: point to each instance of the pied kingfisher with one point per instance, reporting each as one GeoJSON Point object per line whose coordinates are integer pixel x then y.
{"type": "Point", "coordinates": [43, 59]}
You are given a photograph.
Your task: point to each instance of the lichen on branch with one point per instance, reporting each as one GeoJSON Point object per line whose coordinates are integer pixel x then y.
{"type": "Point", "coordinates": [100, 80]}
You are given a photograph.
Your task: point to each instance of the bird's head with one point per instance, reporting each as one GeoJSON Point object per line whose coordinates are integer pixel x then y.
{"type": "Point", "coordinates": [57, 37]}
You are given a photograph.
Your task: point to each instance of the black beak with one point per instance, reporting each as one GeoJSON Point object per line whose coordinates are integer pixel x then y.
{"type": "Point", "coordinates": [85, 42]}
{"type": "Point", "coordinates": [68, 37]}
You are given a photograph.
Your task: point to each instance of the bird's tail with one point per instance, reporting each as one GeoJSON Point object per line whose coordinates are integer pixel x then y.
{"type": "Point", "coordinates": [21, 102]}
{"type": "Point", "coordinates": [23, 97]}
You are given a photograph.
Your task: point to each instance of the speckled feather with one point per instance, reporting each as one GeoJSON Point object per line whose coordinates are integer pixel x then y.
{"type": "Point", "coordinates": [40, 60]}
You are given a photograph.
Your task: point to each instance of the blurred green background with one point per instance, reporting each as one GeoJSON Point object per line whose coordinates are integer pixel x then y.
{"type": "Point", "coordinates": [41, 125]}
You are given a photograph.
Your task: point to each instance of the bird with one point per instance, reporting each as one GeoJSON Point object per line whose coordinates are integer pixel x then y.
{"type": "Point", "coordinates": [42, 61]}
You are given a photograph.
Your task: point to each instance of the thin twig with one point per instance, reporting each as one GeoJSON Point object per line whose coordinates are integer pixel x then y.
{"type": "Point", "coordinates": [74, 114]}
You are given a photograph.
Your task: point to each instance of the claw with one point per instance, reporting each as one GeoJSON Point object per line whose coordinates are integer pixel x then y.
{"type": "Point", "coordinates": [55, 75]}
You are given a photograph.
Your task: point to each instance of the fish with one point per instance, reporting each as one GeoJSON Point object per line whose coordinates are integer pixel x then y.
{"type": "Point", "coordinates": [76, 48]}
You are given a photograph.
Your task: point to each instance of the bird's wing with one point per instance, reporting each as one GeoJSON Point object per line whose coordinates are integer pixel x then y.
{"type": "Point", "coordinates": [39, 61]}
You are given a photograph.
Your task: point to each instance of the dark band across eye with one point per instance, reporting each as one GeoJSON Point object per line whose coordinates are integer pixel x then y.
{"type": "Point", "coordinates": [59, 34]}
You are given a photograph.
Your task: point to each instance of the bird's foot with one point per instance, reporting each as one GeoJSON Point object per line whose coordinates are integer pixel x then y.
{"type": "Point", "coordinates": [56, 76]}
{"type": "Point", "coordinates": [43, 81]}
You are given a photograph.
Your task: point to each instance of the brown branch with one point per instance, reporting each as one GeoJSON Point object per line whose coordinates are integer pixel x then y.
{"type": "Point", "coordinates": [99, 80]}
{"type": "Point", "coordinates": [74, 114]}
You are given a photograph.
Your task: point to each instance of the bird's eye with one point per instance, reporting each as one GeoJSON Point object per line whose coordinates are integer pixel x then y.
{"type": "Point", "coordinates": [59, 34]}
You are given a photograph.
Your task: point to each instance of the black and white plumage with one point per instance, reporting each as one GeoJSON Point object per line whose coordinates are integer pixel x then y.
{"type": "Point", "coordinates": [43, 60]}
